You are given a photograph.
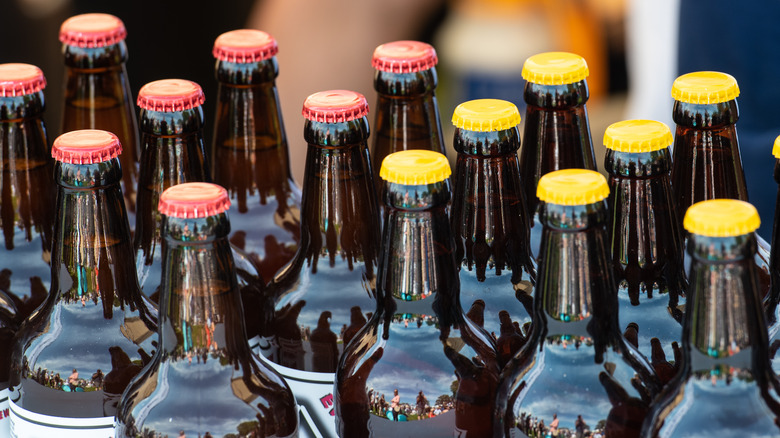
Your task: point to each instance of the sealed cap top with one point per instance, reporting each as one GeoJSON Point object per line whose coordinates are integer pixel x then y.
{"type": "Point", "coordinates": [415, 167]}
{"type": "Point", "coordinates": [170, 95]}
{"type": "Point", "coordinates": [776, 148]}
{"type": "Point", "coordinates": [572, 187]}
{"type": "Point", "coordinates": [404, 57]}
{"type": "Point", "coordinates": [86, 146]}
{"type": "Point", "coordinates": [555, 68]}
{"type": "Point", "coordinates": [245, 46]}
{"type": "Point", "coordinates": [637, 136]}
{"type": "Point", "coordinates": [705, 87]}
{"type": "Point", "coordinates": [721, 218]}
{"type": "Point", "coordinates": [486, 115]}
{"type": "Point", "coordinates": [20, 80]}
{"type": "Point", "coordinates": [92, 30]}
{"type": "Point", "coordinates": [335, 106]}
{"type": "Point", "coordinates": [194, 200]}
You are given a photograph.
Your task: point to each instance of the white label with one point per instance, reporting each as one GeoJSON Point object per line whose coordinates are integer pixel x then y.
{"type": "Point", "coordinates": [5, 420]}
{"type": "Point", "coordinates": [27, 424]}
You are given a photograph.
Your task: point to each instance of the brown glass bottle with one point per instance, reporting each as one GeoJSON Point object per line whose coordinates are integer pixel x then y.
{"type": "Point", "coordinates": [772, 303]}
{"type": "Point", "coordinates": [27, 190]}
{"type": "Point", "coordinates": [646, 242]}
{"type": "Point", "coordinates": [576, 362]}
{"type": "Point", "coordinates": [204, 380]}
{"type": "Point", "coordinates": [489, 221]}
{"type": "Point", "coordinates": [97, 91]}
{"type": "Point", "coordinates": [419, 341]}
{"type": "Point", "coordinates": [557, 132]}
{"type": "Point", "coordinates": [249, 152]}
{"type": "Point", "coordinates": [726, 387]}
{"type": "Point", "coordinates": [335, 267]}
{"type": "Point", "coordinates": [8, 327]}
{"type": "Point", "coordinates": [407, 112]}
{"type": "Point", "coordinates": [94, 332]}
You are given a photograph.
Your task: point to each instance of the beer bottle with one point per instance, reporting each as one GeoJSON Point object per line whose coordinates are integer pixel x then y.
{"type": "Point", "coordinates": [772, 303]}
{"type": "Point", "coordinates": [26, 189]}
{"type": "Point", "coordinates": [488, 217]}
{"type": "Point", "coordinates": [726, 387]}
{"type": "Point", "coordinates": [576, 362]}
{"type": "Point", "coordinates": [8, 327]}
{"type": "Point", "coordinates": [334, 270]}
{"type": "Point", "coordinates": [204, 376]}
{"type": "Point", "coordinates": [706, 162]}
{"type": "Point", "coordinates": [419, 342]}
{"type": "Point", "coordinates": [79, 350]}
{"type": "Point", "coordinates": [646, 243]}
{"type": "Point", "coordinates": [249, 151]}
{"type": "Point", "coordinates": [407, 112]}
{"type": "Point", "coordinates": [97, 91]}
{"type": "Point", "coordinates": [557, 133]}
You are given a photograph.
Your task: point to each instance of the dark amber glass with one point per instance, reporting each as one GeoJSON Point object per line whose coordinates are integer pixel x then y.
{"type": "Point", "coordinates": [576, 362]}
{"type": "Point", "coordinates": [490, 228]}
{"type": "Point", "coordinates": [79, 350]}
{"type": "Point", "coordinates": [772, 304]}
{"type": "Point", "coordinates": [419, 341]}
{"type": "Point", "coordinates": [204, 376]}
{"type": "Point", "coordinates": [8, 327]}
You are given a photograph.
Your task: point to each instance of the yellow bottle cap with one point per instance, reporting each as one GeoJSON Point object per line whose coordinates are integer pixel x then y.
{"type": "Point", "coordinates": [572, 187]}
{"type": "Point", "coordinates": [415, 167]}
{"type": "Point", "coordinates": [637, 136]}
{"type": "Point", "coordinates": [705, 87]}
{"type": "Point", "coordinates": [555, 68]}
{"type": "Point", "coordinates": [721, 218]}
{"type": "Point", "coordinates": [776, 148]}
{"type": "Point", "coordinates": [484, 115]}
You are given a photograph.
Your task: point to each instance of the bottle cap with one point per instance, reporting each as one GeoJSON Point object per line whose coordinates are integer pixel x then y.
{"type": "Point", "coordinates": [415, 167]}
{"type": "Point", "coordinates": [404, 57]}
{"type": "Point", "coordinates": [86, 146]}
{"type": "Point", "coordinates": [170, 95]}
{"type": "Point", "coordinates": [637, 136]}
{"type": "Point", "coordinates": [245, 46]}
{"type": "Point", "coordinates": [335, 106]}
{"type": "Point", "coordinates": [776, 148]}
{"type": "Point", "coordinates": [721, 218]}
{"type": "Point", "coordinates": [194, 200]}
{"type": "Point", "coordinates": [705, 87]}
{"type": "Point", "coordinates": [20, 79]}
{"type": "Point", "coordinates": [555, 68]}
{"type": "Point", "coordinates": [92, 30]}
{"type": "Point", "coordinates": [572, 187]}
{"type": "Point", "coordinates": [483, 115]}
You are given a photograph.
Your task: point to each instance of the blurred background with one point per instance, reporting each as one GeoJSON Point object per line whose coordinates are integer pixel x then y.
{"type": "Point", "coordinates": [634, 48]}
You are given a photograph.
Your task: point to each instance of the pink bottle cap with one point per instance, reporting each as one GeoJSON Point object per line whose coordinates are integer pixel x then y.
{"type": "Point", "coordinates": [244, 46]}
{"type": "Point", "coordinates": [193, 200]}
{"type": "Point", "coordinates": [335, 106]}
{"type": "Point", "coordinates": [86, 146]}
{"type": "Point", "coordinates": [170, 95]}
{"type": "Point", "coordinates": [92, 30]}
{"type": "Point", "coordinates": [404, 57]}
{"type": "Point", "coordinates": [20, 80]}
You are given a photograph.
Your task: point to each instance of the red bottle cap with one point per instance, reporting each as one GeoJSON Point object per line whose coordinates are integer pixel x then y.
{"type": "Point", "coordinates": [170, 95]}
{"type": "Point", "coordinates": [404, 57]}
{"type": "Point", "coordinates": [20, 79]}
{"type": "Point", "coordinates": [86, 146]}
{"type": "Point", "coordinates": [193, 200]}
{"type": "Point", "coordinates": [244, 46]}
{"type": "Point", "coordinates": [335, 106]}
{"type": "Point", "coordinates": [92, 30]}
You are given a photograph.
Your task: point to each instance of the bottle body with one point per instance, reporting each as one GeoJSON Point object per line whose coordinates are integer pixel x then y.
{"type": "Point", "coordinates": [772, 304]}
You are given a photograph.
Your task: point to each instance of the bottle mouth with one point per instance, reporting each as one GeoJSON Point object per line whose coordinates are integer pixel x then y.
{"type": "Point", "coordinates": [194, 200]}
{"type": "Point", "coordinates": [86, 146]}
{"type": "Point", "coordinates": [335, 106]}
{"type": "Point", "coordinates": [17, 79]}
{"type": "Point", "coordinates": [245, 46]}
{"type": "Point", "coordinates": [92, 30]}
{"type": "Point", "coordinates": [170, 95]}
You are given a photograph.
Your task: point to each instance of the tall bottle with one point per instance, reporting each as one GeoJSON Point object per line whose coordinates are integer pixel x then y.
{"type": "Point", "coordinates": [489, 221]}
{"type": "Point", "coordinates": [78, 352]}
{"type": "Point", "coordinates": [419, 353]}
{"type": "Point", "coordinates": [27, 190]}
{"type": "Point", "coordinates": [646, 241]}
{"type": "Point", "coordinates": [322, 296]}
{"type": "Point", "coordinates": [97, 91]}
{"type": "Point", "coordinates": [8, 327]}
{"type": "Point", "coordinates": [407, 112]}
{"type": "Point", "coordinates": [249, 151]}
{"type": "Point", "coordinates": [772, 303]}
{"type": "Point", "coordinates": [707, 163]}
{"type": "Point", "coordinates": [204, 374]}
{"type": "Point", "coordinates": [576, 364]}
{"type": "Point", "coordinates": [726, 387]}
